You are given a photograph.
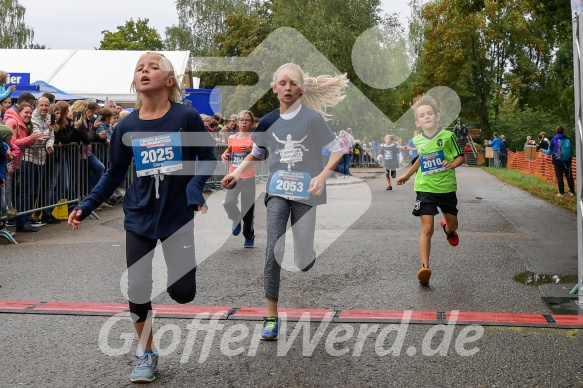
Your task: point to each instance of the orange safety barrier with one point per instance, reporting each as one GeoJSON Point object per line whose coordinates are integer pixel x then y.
{"type": "Point", "coordinates": [541, 167]}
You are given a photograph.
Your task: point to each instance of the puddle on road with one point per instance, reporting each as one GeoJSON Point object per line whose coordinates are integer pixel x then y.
{"type": "Point", "coordinates": [538, 279]}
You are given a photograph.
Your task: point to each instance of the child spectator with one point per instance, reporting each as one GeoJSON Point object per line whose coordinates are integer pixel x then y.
{"type": "Point", "coordinates": [4, 106]}
{"type": "Point", "coordinates": [435, 182]}
{"type": "Point", "coordinates": [357, 154]}
{"type": "Point", "coordinates": [6, 135]}
{"type": "Point", "coordinates": [467, 150]}
{"type": "Point", "coordinates": [5, 91]}
{"type": "Point", "coordinates": [346, 145]}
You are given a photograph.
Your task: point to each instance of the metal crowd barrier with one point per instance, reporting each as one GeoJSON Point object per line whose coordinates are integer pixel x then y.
{"type": "Point", "coordinates": [42, 182]}
{"type": "Point", "coordinates": [67, 175]}
{"type": "Point", "coordinates": [45, 180]}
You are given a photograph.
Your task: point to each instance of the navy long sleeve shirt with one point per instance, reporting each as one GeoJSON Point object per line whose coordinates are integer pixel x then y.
{"type": "Point", "coordinates": [150, 211]}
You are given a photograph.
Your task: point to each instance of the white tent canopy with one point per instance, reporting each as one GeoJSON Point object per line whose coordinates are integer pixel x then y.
{"type": "Point", "coordinates": [99, 74]}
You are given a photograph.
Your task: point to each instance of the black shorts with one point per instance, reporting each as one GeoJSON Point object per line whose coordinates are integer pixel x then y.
{"type": "Point", "coordinates": [427, 203]}
{"type": "Point", "coordinates": [391, 173]}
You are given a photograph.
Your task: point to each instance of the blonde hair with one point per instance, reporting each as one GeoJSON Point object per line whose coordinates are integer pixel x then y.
{"type": "Point", "coordinates": [3, 77]}
{"type": "Point", "coordinates": [174, 93]}
{"type": "Point", "coordinates": [424, 100]}
{"type": "Point", "coordinates": [80, 106]}
{"type": "Point", "coordinates": [322, 92]}
{"type": "Point", "coordinates": [342, 133]}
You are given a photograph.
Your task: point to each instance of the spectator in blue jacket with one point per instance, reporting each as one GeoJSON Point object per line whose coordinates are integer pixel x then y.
{"type": "Point", "coordinates": [495, 144]}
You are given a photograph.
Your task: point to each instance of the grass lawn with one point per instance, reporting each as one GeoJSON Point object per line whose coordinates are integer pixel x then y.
{"type": "Point", "coordinates": [534, 186]}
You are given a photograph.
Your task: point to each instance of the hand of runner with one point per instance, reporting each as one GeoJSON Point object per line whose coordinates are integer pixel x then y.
{"type": "Point", "coordinates": [74, 219]}
{"type": "Point", "coordinates": [228, 182]}
{"type": "Point", "coordinates": [402, 179]}
{"type": "Point", "coordinates": [447, 165]}
{"type": "Point", "coordinates": [317, 185]}
{"type": "Point", "coordinates": [202, 209]}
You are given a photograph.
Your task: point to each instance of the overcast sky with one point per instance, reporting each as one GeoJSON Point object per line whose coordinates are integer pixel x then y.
{"type": "Point", "coordinates": [71, 24]}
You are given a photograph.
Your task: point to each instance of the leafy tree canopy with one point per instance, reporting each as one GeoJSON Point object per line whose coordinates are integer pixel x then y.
{"type": "Point", "coordinates": [132, 36]}
{"type": "Point", "coordinates": [14, 33]}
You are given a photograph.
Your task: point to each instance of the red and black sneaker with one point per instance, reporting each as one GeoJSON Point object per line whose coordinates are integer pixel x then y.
{"type": "Point", "coordinates": [452, 238]}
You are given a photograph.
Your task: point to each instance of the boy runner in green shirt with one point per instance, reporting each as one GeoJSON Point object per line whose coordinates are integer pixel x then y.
{"type": "Point", "coordinates": [435, 182]}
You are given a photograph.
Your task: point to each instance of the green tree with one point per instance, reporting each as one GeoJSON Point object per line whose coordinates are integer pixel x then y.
{"type": "Point", "coordinates": [493, 51]}
{"type": "Point", "coordinates": [243, 33]}
{"type": "Point", "coordinates": [517, 123]}
{"type": "Point", "coordinates": [456, 55]}
{"type": "Point", "coordinates": [14, 33]}
{"type": "Point", "coordinates": [416, 31]}
{"type": "Point", "coordinates": [333, 28]}
{"type": "Point", "coordinates": [199, 21]}
{"type": "Point", "coordinates": [132, 36]}
{"type": "Point", "coordinates": [178, 39]}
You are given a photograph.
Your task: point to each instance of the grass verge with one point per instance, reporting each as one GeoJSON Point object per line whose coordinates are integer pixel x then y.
{"type": "Point", "coordinates": [535, 186]}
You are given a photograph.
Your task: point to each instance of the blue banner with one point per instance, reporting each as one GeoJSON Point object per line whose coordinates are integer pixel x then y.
{"type": "Point", "coordinates": [18, 79]}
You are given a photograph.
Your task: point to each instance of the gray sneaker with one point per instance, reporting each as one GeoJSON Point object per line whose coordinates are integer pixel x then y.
{"type": "Point", "coordinates": [145, 372]}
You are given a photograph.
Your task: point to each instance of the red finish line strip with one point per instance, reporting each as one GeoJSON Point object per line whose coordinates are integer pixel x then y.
{"type": "Point", "coordinates": [14, 306]}
{"type": "Point", "coordinates": [491, 318]}
{"type": "Point", "coordinates": [568, 320]}
{"type": "Point", "coordinates": [392, 316]}
{"type": "Point", "coordinates": [257, 313]}
{"type": "Point", "coordinates": [189, 311]}
{"type": "Point", "coordinates": [80, 307]}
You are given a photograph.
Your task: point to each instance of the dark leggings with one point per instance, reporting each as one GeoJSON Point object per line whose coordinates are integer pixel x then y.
{"type": "Point", "coordinates": [180, 263]}
{"type": "Point", "coordinates": [564, 168]}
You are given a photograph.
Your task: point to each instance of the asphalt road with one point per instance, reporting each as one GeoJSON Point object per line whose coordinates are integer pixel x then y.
{"type": "Point", "coordinates": [367, 244]}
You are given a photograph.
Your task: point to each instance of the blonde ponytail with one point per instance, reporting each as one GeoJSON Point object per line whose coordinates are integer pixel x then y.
{"type": "Point", "coordinates": [322, 92]}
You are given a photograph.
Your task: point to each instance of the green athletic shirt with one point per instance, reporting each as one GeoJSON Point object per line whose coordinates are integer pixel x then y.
{"type": "Point", "coordinates": [431, 150]}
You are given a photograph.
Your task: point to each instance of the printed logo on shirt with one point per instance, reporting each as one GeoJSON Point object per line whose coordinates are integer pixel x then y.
{"type": "Point", "coordinates": [291, 153]}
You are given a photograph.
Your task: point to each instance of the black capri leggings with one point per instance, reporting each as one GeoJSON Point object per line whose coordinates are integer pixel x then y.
{"type": "Point", "coordinates": [180, 262]}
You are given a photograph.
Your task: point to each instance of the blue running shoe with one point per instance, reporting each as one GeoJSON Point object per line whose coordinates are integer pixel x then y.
{"type": "Point", "coordinates": [270, 329]}
{"type": "Point", "coordinates": [249, 242]}
{"type": "Point", "coordinates": [145, 372]}
{"type": "Point", "coordinates": [236, 228]}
